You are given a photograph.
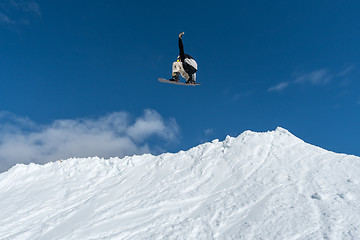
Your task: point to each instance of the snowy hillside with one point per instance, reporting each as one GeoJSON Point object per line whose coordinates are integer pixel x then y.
{"type": "Point", "coordinates": [256, 186]}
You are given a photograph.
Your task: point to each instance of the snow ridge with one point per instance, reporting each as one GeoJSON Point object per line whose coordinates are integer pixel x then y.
{"type": "Point", "coordinates": [268, 185]}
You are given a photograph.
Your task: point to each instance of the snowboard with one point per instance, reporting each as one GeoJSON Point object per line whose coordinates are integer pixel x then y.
{"type": "Point", "coordinates": [163, 80]}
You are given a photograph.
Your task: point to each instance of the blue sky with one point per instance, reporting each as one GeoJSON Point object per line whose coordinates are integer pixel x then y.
{"type": "Point", "coordinates": [72, 72]}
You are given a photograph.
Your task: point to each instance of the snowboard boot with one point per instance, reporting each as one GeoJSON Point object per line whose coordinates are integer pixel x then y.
{"type": "Point", "coordinates": [190, 80]}
{"type": "Point", "coordinates": [175, 77]}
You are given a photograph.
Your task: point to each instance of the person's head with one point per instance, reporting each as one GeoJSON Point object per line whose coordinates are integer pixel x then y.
{"type": "Point", "coordinates": [178, 59]}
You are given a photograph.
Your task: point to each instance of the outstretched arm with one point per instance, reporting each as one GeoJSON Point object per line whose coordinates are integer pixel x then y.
{"type": "Point", "coordinates": [181, 48]}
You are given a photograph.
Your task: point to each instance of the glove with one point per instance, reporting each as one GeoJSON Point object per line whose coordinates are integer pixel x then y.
{"type": "Point", "coordinates": [180, 35]}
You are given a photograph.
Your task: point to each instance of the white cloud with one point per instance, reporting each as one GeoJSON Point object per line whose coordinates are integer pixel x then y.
{"type": "Point", "coordinates": [244, 94]}
{"type": "Point", "coordinates": [116, 134]}
{"type": "Point", "coordinates": [209, 132]}
{"type": "Point", "coordinates": [152, 124]}
{"type": "Point", "coordinates": [29, 7]}
{"type": "Point", "coordinates": [5, 19]}
{"type": "Point", "coordinates": [14, 12]}
{"type": "Point", "coordinates": [207, 135]}
{"type": "Point", "coordinates": [346, 71]}
{"type": "Point", "coordinates": [279, 87]}
{"type": "Point", "coordinates": [317, 77]}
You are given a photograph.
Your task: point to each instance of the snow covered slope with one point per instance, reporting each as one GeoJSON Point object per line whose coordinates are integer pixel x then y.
{"type": "Point", "coordinates": [256, 186]}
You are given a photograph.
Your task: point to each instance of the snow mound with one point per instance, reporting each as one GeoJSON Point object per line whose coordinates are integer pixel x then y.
{"type": "Point", "coordinates": [257, 186]}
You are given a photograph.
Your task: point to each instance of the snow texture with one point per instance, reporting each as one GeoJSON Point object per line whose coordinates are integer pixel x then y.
{"type": "Point", "coordinates": [257, 186]}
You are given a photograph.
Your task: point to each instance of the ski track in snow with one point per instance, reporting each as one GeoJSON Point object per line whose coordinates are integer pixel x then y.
{"type": "Point", "coordinates": [257, 186]}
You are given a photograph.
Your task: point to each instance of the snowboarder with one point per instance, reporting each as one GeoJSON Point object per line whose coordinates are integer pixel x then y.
{"type": "Point", "coordinates": [185, 65]}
